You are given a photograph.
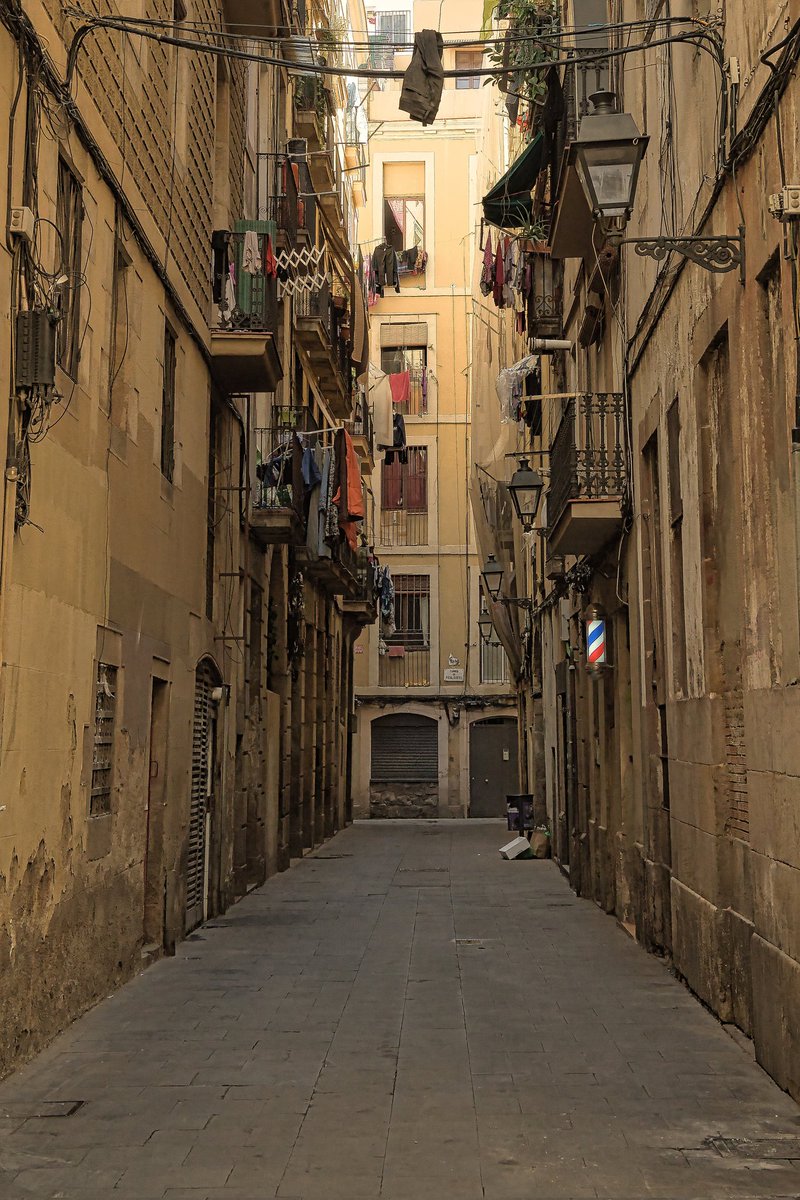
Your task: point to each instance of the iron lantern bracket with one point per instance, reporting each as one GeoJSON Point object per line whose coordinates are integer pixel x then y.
{"type": "Point", "coordinates": [717, 254]}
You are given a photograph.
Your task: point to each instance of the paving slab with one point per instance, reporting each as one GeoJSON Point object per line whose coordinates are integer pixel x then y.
{"type": "Point", "coordinates": [402, 1016]}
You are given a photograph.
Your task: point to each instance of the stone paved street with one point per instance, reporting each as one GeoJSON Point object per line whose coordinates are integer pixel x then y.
{"type": "Point", "coordinates": [405, 1016]}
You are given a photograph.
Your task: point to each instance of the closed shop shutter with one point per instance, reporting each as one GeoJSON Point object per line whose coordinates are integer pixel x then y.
{"type": "Point", "coordinates": [405, 749]}
{"type": "Point", "coordinates": [201, 789]}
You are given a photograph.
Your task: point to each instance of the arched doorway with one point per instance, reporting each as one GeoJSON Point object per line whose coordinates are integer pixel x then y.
{"type": "Point", "coordinates": [493, 765]}
{"type": "Point", "coordinates": [204, 775]}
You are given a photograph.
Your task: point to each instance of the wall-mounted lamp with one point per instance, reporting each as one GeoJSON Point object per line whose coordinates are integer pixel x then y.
{"type": "Point", "coordinates": [525, 488]}
{"type": "Point", "coordinates": [607, 155]}
{"type": "Point", "coordinates": [492, 576]}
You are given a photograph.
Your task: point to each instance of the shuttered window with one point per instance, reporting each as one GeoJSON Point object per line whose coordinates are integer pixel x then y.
{"type": "Point", "coordinates": [405, 749]}
{"type": "Point", "coordinates": [405, 485]}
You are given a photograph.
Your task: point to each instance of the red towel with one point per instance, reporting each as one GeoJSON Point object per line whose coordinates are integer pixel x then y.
{"type": "Point", "coordinates": [270, 261]}
{"type": "Point", "coordinates": [400, 383]}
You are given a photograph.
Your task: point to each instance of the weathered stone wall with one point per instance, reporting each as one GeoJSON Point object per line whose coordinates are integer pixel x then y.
{"type": "Point", "coordinates": [404, 801]}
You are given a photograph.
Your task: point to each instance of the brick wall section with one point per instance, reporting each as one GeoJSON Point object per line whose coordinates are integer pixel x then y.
{"type": "Point", "coordinates": [132, 82]}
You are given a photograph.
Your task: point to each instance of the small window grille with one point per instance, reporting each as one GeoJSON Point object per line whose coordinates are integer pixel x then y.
{"type": "Point", "coordinates": [105, 712]}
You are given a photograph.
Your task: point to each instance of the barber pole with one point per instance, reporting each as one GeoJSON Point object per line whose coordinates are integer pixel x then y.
{"type": "Point", "coordinates": [595, 642]}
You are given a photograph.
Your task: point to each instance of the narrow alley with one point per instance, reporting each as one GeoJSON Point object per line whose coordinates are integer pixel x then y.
{"type": "Point", "coordinates": [402, 1015]}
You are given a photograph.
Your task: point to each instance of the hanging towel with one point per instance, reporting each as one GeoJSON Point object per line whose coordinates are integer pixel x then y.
{"type": "Point", "coordinates": [270, 261]}
{"type": "Point", "coordinates": [499, 276]}
{"type": "Point", "coordinates": [251, 253]}
{"type": "Point", "coordinates": [380, 394]}
{"type": "Point", "coordinates": [487, 274]}
{"type": "Point", "coordinates": [424, 78]}
{"type": "Point", "coordinates": [400, 383]}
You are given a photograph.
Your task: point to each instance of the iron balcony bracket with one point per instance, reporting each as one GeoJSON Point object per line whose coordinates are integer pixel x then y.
{"type": "Point", "coordinates": [717, 254]}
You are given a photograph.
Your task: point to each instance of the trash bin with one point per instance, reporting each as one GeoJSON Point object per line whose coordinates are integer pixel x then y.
{"type": "Point", "coordinates": [519, 812]}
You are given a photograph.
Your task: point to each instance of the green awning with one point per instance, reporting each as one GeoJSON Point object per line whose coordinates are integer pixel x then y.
{"type": "Point", "coordinates": [509, 204]}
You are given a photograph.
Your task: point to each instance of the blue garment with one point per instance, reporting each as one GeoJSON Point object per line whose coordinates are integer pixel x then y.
{"type": "Point", "coordinates": [311, 472]}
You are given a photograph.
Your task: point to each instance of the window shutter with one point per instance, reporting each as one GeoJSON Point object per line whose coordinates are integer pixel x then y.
{"type": "Point", "coordinates": [404, 335]}
{"type": "Point", "coordinates": [417, 480]}
{"type": "Point", "coordinates": [392, 486]}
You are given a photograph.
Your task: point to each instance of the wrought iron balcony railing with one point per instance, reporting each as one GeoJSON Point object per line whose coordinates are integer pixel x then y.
{"type": "Point", "coordinates": [587, 456]}
{"type": "Point", "coordinates": [249, 298]}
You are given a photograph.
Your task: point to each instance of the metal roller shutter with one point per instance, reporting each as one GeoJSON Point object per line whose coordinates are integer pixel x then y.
{"type": "Point", "coordinates": [201, 766]}
{"type": "Point", "coordinates": [405, 749]}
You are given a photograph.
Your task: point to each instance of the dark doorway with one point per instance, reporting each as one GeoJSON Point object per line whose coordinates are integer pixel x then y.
{"type": "Point", "coordinates": [493, 765]}
{"type": "Point", "coordinates": [153, 920]}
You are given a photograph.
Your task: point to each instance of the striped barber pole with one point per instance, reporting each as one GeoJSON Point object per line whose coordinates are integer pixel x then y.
{"type": "Point", "coordinates": [596, 643]}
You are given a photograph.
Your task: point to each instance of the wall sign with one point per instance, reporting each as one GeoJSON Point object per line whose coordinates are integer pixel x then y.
{"type": "Point", "coordinates": [454, 675]}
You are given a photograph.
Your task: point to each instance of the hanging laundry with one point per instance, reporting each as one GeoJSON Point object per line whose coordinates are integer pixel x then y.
{"type": "Point", "coordinates": [509, 268]}
{"type": "Point", "coordinates": [311, 472]}
{"type": "Point", "coordinates": [220, 243]}
{"type": "Point", "coordinates": [424, 78]}
{"type": "Point", "coordinates": [487, 274]}
{"type": "Point", "coordinates": [270, 261]}
{"type": "Point", "coordinates": [251, 253]}
{"type": "Point", "coordinates": [399, 444]}
{"type": "Point", "coordinates": [499, 276]}
{"type": "Point", "coordinates": [400, 383]}
{"type": "Point", "coordinates": [380, 394]}
{"type": "Point", "coordinates": [386, 267]}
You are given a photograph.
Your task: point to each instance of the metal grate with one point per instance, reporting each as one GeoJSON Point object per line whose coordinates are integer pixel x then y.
{"type": "Point", "coordinates": [405, 749]}
{"type": "Point", "coordinates": [405, 659]}
{"type": "Point", "coordinates": [105, 711]}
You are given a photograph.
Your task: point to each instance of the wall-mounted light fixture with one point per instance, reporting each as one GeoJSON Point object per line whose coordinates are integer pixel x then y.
{"type": "Point", "coordinates": [607, 155]}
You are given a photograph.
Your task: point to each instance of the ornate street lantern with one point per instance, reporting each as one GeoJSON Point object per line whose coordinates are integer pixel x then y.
{"type": "Point", "coordinates": [486, 627]}
{"type": "Point", "coordinates": [525, 488]}
{"type": "Point", "coordinates": [607, 154]}
{"type": "Point", "coordinates": [492, 576]}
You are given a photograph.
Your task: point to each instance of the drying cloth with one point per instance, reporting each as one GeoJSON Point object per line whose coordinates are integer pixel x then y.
{"type": "Point", "coordinates": [251, 253]}
{"type": "Point", "coordinates": [270, 261]}
{"type": "Point", "coordinates": [499, 276]}
{"type": "Point", "coordinates": [386, 266]}
{"type": "Point", "coordinates": [400, 383]}
{"type": "Point", "coordinates": [311, 472]}
{"type": "Point", "coordinates": [424, 78]}
{"type": "Point", "coordinates": [380, 394]}
{"type": "Point", "coordinates": [487, 274]}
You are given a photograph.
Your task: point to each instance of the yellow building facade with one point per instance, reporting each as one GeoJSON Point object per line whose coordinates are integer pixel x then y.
{"type": "Point", "coordinates": [436, 716]}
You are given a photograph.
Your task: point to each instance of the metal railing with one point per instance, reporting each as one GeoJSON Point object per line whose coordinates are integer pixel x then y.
{"type": "Point", "coordinates": [320, 306]}
{"type": "Point", "coordinates": [284, 208]}
{"type": "Point", "coordinates": [255, 294]}
{"type": "Point", "coordinates": [287, 419]}
{"type": "Point", "coordinates": [587, 456]}
{"type": "Point", "coordinates": [400, 528]}
{"type": "Point", "coordinates": [417, 403]}
{"type": "Point", "coordinates": [361, 424]}
{"type": "Point", "coordinates": [404, 666]}
{"type": "Point", "coordinates": [311, 96]}
{"type": "Point", "coordinates": [272, 485]}
{"type": "Point", "coordinates": [494, 663]}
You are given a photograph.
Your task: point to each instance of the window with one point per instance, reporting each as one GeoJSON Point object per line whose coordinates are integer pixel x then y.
{"type": "Point", "coordinates": [405, 749]}
{"type": "Point", "coordinates": [405, 348]}
{"type": "Point", "coordinates": [405, 654]}
{"type": "Point", "coordinates": [469, 60]}
{"type": "Point", "coordinates": [105, 711]}
{"type": "Point", "coordinates": [494, 662]}
{"type": "Point", "coordinates": [120, 327]}
{"type": "Point", "coordinates": [404, 225]}
{"type": "Point", "coordinates": [69, 215]}
{"type": "Point", "coordinates": [168, 406]}
{"type": "Point", "coordinates": [256, 630]}
{"type": "Point", "coordinates": [404, 500]}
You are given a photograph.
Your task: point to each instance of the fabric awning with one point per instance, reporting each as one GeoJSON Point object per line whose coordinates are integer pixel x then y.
{"type": "Point", "coordinates": [509, 204]}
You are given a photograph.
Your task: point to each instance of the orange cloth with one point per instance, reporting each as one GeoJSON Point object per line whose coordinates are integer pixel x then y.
{"type": "Point", "coordinates": [355, 497]}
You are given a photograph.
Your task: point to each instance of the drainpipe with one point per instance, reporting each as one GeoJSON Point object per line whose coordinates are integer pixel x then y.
{"type": "Point", "coordinates": [550, 345]}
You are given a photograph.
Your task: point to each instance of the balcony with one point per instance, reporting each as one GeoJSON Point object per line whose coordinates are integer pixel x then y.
{"type": "Point", "coordinates": [311, 111]}
{"type": "Point", "coordinates": [285, 207]}
{"type": "Point", "coordinates": [588, 475]}
{"type": "Point", "coordinates": [400, 529]}
{"type": "Point", "coordinates": [404, 666]}
{"type": "Point", "coordinates": [362, 605]}
{"type": "Point", "coordinates": [360, 430]}
{"type": "Point", "coordinates": [244, 350]}
{"type": "Point", "coordinates": [318, 327]}
{"type": "Point", "coordinates": [276, 514]}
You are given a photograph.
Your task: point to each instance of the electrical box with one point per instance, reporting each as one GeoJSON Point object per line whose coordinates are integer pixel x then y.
{"type": "Point", "coordinates": [35, 364]}
{"type": "Point", "coordinates": [785, 204]}
{"type": "Point", "coordinates": [21, 224]}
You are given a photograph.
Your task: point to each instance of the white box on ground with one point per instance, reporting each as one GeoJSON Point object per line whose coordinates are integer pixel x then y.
{"type": "Point", "coordinates": [516, 848]}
